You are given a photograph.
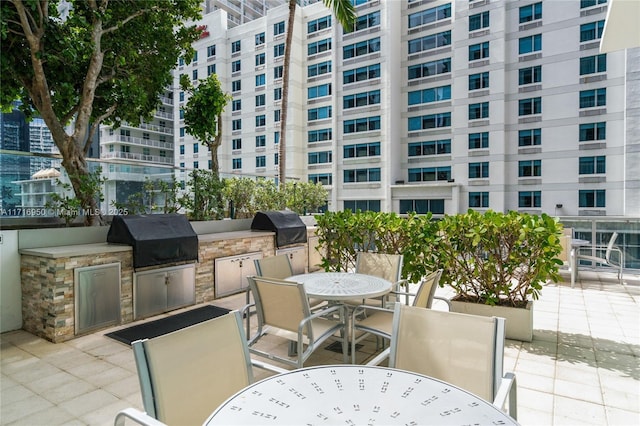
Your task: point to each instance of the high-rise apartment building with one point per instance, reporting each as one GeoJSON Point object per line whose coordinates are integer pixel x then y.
{"type": "Point", "coordinates": [433, 106]}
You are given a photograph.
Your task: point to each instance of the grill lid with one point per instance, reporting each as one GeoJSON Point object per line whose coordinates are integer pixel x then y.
{"type": "Point", "coordinates": [287, 225]}
{"type": "Point", "coordinates": [156, 239]}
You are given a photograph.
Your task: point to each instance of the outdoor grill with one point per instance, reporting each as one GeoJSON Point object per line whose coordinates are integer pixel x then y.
{"type": "Point", "coordinates": [287, 225]}
{"type": "Point", "coordinates": [157, 239]}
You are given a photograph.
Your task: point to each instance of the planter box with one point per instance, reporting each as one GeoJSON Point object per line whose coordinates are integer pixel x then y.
{"type": "Point", "coordinates": [519, 321]}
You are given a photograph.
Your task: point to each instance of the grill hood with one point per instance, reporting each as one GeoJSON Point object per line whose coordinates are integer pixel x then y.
{"type": "Point", "coordinates": [157, 239]}
{"type": "Point", "coordinates": [287, 225]}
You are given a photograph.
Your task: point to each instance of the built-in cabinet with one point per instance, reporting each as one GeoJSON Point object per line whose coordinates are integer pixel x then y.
{"type": "Point", "coordinates": [163, 289]}
{"type": "Point", "coordinates": [97, 297]}
{"type": "Point", "coordinates": [231, 273]}
{"type": "Point", "coordinates": [297, 257]}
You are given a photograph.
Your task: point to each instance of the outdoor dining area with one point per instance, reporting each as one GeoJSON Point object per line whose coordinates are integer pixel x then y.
{"type": "Point", "coordinates": [439, 367]}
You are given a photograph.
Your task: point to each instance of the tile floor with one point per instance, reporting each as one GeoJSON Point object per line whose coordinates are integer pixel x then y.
{"type": "Point", "coordinates": [581, 368]}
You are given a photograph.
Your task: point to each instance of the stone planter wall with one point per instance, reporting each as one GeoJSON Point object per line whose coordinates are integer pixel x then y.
{"type": "Point", "coordinates": [519, 321]}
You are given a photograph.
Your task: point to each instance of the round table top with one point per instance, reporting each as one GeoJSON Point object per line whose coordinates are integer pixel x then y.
{"type": "Point", "coordinates": [342, 285]}
{"type": "Point", "coordinates": [355, 395]}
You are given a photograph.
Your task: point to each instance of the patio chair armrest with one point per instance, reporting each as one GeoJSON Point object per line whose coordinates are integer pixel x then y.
{"type": "Point", "coordinates": [137, 416]}
{"type": "Point", "coordinates": [323, 312]}
{"type": "Point", "coordinates": [380, 357]}
{"type": "Point", "coordinates": [268, 367]}
{"type": "Point", "coordinates": [445, 300]}
{"type": "Point", "coordinates": [508, 390]}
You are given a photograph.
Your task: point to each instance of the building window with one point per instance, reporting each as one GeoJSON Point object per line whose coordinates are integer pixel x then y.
{"type": "Point", "coordinates": [529, 199]}
{"type": "Point", "coordinates": [261, 100]}
{"type": "Point", "coordinates": [530, 44]}
{"type": "Point", "coordinates": [322, 157]}
{"type": "Point", "coordinates": [361, 99]}
{"type": "Point", "coordinates": [278, 50]}
{"type": "Point", "coordinates": [589, 3]}
{"type": "Point", "coordinates": [236, 105]}
{"type": "Point", "coordinates": [235, 66]}
{"type": "Point", "coordinates": [529, 168]}
{"type": "Point", "coordinates": [236, 144]}
{"type": "Point", "coordinates": [361, 74]}
{"type": "Point", "coordinates": [211, 51]}
{"type": "Point", "coordinates": [362, 175]}
{"type": "Point", "coordinates": [441, 66]}
{"type": "Point", "coordinates": [163, 153]}
{"type": "Point", "coordinates": [319, 24]}
{"type": "Point", "coordinates": [277, 93]}
{"type": "Point", "coordinates": [367, 21]}
{"type": "Point", "coordinates": [319, 91]}
{"type": "Point", "coordinates": [261, 80]}
{"type": "Point", "coordinates": [236, 46]}
{"type": "Point", "coordinates": [430, 174]}
{"type": "Point", "coordinates": [593, 131]}
{"type": "Point", "coordinates": [278, 28]}
{"type": "Point", "coordinates": [261, 141]}
{"type": "Point", "coordinates": [278, 71]}
{"type": "Point", "coordinates": [260, 39]}
{"type": "Point", "coordinates": [430, 15]}
{"type": "Point", "coordinates": [529, 106]}
{"type": "Point", "coordinates": [425, 96]}
{"type": "Point", "coordinates": [181, 149]}
{"type": "Point", "coordinates": [371, 149]}
{"type": "Point", "coordinates": [530, 137]}
{"type": "Point", "coordinates": [236, 124]}
{"type": "Point", "coordinates": [182, 132]}
{"type": "Point", "coordinates": [479, 81]}
{"type": "Point", "coordinates": [321, 135]}
{"type": "Point", "coordinates": [196, 148]}
{"type": "Point", "coordinates": [361, 125]}
{"type": "Point", "coordinates": [194, 74]}
{"type": "Point", "coordinates": [531, 12]}
{"type": "Point", "coordinates": [422, 206]}
{"type": "Point", "coordinates": [591, 31]}
{"type": "Point", "coordinates": [478, 199]}
{"type": "Point", "coordinates": [479, 170]}
{"type": "Point", "coordinates": [276, 138]}
{"type": "Point", "coordinates": [479, 51]}
{"type": "Point", "coordinates": [211, 69]}
{"type": "Point", "coordinates": [321, 178]}
{"type": "Point", "coordinates": [276, 116]}
{"type": "Point", "coordinates": [260, 59]}
{"type": "Point", "coordinates": [593, 64]}
{"type": "Point", "coordinates": [261, 120]}
{"type": "Point", "coordinates": [236, 163]}
{"type": "Point", "coordinates": [480, 110]}
{"type": "Point", "coordinates": [439, 147]}
{"type": "Point", "coordinates": [319, 113]}
{"type": "Point", "coordinates": [362, 205]}
{"type": "Point", "coordinates": [593, 98]}
{"type": "Point", "coordinates": [530, 75]}
{"type": "Point", "coordinates": [319, 69]}
{"type": "Point", "coordinates": [261, 161]}
{"type": "Point", "coordinates": [236, 86]}
{"type": "Point", "coordinates": [592, 165]}
{"type": "Point", "coordinates": [319, 46]}
{"type": "Point", "coordinates": [276, 159]}
{"type": "Point", "coordinates": [361, 48]}
{"type": "Point", "coordinates": [478, 140]}
{"type": "Point", "coordinates": [431, 121]}
{"type": "Point", "coordinates": [429, 42]}
{"type": "Point", "coordinates": [592, 198]}
{"type": "Point", "coordinates": [479, 21]}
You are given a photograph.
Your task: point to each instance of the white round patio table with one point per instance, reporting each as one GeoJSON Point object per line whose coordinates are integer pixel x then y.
{"type": "Point", "coordinates": [355, 395]}
{"type": "Point", "coordinates": [342, 285]}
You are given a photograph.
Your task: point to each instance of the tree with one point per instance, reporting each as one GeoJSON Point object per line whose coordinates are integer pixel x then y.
{"type": "Point", "coordinates": [345, 13]}
{"type": "Point", "coordinates": [203, 114]}
{"type": "Point", "coordinates": [99, 62]}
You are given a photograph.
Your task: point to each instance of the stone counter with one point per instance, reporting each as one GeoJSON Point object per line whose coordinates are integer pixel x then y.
{"type": "Point", "coordinates": [47, 276]}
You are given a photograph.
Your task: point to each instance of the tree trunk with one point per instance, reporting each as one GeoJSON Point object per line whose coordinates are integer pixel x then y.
{"type": "Point", "coordinates": [77, 169]}
{"type": "Point", "coordinates": [282, 149]}
{"type": "Point", "coordinates": [213, 148]}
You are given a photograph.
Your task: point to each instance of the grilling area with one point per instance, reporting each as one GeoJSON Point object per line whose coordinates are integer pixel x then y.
{"type": "Point", "coordinates": [149, 265]}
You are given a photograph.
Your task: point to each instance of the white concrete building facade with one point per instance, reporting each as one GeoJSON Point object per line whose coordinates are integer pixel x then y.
{"type": "Point", "coordinates": [433, 106]}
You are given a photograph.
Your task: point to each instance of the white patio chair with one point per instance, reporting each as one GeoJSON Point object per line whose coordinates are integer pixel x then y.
{"type": "Point", "coordinates": [378, 321]}
{"type": "Point", "coordinates": [464, 350]}
{"type": "Point", "coordinates": [607, 259]}
{"type": "Point", "coordinates": [385, 266]}
{"type": "Point", "coordinates": [186, 374]}
{"type": "Point", "coordinates": [283, 310]}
